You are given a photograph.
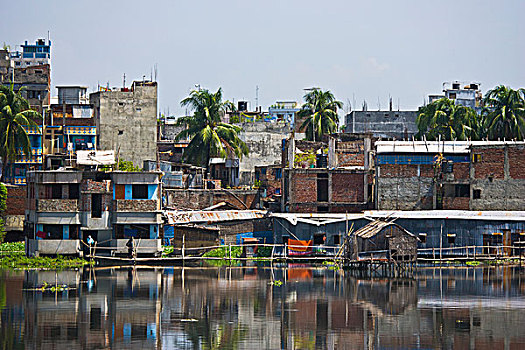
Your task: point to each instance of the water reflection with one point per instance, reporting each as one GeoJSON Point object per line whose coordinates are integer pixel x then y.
{"type": "Point", "coordinates": [239, 308]}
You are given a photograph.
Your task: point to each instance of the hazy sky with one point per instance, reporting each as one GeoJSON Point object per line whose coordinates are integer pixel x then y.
{"type": "Point", "coordinates": [358, 49]}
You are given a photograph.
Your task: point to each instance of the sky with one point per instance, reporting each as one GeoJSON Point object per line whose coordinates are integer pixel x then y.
{"type": "Point", "coordinates": [360, 50]}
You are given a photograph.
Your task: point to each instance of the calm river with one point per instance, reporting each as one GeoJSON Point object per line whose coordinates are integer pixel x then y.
{"type": "Point", "coordinates": [239, 308]}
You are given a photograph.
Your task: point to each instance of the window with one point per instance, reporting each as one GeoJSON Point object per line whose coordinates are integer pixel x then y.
{"type": "Point", "coordinates": [319, 238]}
{"type": "Point", "coordinates": [139, 191]}
{"type": "Point", "coordinates": [74, 192]}
{"type": "Point", "coordinates": [322, 187]}
{"type": "Point", "coordinates": [53, 231]}
{"type": "Point", "coordinates": [96, 205]}
{"type": "Point", "coordinates": [476, 194]}
{"type": "Point", "coordinates": [337, 240]}
{"type": "Point", "coordinates": [56, 191]}
{"type": "Point", "coordinates": [451, 237]}
{"type": "Point", "coordinates": [278, 173]}
{"type": "Point", "coordinates": [120, 191]}
{"type": "Point", "coordinates": [462, 190]}
{"type": "Point", "coordinates": [423, 237]}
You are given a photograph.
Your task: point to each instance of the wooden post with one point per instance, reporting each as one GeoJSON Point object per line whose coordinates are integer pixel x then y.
{"type": "Point", "coordinates": [441, 245]}
{"type": "Point", "coordinates": [183, 246]}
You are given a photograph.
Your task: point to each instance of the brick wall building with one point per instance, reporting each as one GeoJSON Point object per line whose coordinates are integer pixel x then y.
{"type": "Point", "coordinates": [331, 176]}
{"type": "Point", "coordinates": [460, 175]}
{"type": "Point", "coordinates": [198, 199]}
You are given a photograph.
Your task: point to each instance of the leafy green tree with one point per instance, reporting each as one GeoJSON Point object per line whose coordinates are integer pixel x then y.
{"type": "Point", "coordinates": [15, 113]}
{"type": "Point", "coordinates": [504, 113]}
{"type": "Point", "coordinates": [210, 137]}
{"type": "Point", "coordinates": [320, 111]}
{"type": "Point", "coordinates": [450, 121]}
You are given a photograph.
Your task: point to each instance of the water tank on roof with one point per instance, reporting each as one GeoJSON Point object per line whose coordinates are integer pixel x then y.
{"type": "Point", "coordinates": [242, 106]}
{"type": "Point", "coordinates": [321, 161]}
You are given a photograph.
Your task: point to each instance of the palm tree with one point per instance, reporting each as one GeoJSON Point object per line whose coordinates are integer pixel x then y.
{"type": "Point", "coordinates": [320, 111]}
{"type": "Point", "coordinates": [450, 121]}
{"type": "Point", "coordinates": [504, 113]}
{"type": "Point", "coordinates": [15, 114]}
{"type": "Point", "coordinates": [210, 137]}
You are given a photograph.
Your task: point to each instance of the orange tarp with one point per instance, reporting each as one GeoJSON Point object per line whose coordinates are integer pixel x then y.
{"type": "Point", "coordinates": [298, 246]}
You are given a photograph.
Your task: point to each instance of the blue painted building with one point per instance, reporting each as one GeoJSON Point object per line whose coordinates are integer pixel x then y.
{"type": "Point", "coordinates": [448, 229]}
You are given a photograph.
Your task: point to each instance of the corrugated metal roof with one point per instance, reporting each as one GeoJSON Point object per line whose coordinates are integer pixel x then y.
{"type": "Point", "coordinates": [175, 217]}
{"type": "Point", "coordinates": [436, 146]}
{"type": "Point", "coordinates": [318, 219]}
{"type": "Point", "coordinates": [373, 228]}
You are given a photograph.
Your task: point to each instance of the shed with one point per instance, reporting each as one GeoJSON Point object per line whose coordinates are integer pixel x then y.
{"type": "Point", "coordinates": [382, 240]}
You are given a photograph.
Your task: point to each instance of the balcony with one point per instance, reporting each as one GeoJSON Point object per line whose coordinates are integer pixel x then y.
{"type": "Point", "coordinates": [32, 130]}
{"type": "Point", "coordinates": [57, 205]}
{"type": "Point", "coordinates": [136, 205]}
{"type": "Point", "coordinates": [29, 160]}
{"type": "Point", "coordinates": [80, 130]}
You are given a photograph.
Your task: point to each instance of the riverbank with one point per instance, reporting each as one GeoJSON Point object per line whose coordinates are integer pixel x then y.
{"type": "Point", "coordinates": [12, 256]}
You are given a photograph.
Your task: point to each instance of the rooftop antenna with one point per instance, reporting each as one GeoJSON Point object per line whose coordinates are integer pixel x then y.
{"type": "Point", "coordinates": [398, 104]}
{"type": "Point", "coordinates": [256, 97]}
{"type": "Point", "coordinates": [378, 104]}
{"type": "Point", "coordinates": [151, 74]}
{"type": "Point", "coordinates": [124, 80]}
{"type": "Point", "coordinates": [156, 70]}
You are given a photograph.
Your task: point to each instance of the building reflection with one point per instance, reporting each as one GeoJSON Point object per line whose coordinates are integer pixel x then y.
{"type": "Point", "coordinates": [240, 307]}
{"type": "Point", "coordinates": [98, 309]}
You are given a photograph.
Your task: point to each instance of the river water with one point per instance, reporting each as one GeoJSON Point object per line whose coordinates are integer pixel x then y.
{"type": "Point", "coordinates": [306, 307]}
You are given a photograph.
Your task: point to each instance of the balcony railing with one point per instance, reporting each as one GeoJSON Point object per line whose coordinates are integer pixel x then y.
{"type": "Point", "coordinates": [57, 205]}
{"type": "Point", "coordinates": [136, 205]}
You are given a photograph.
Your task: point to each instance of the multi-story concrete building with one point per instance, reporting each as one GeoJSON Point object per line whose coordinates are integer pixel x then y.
{"type": "Point", "coordinates": [69, 126]}
{"type": "Point", "coordinates": [283, 111]}
{"type": "Point", "coordinates": [463, 93]}
{"type": "Point", "coordinates": [31, 69]}
{"type": "Point", "coordinates": [126, 120]}
{"type": "Point", "coordinates": [383, 124]}
{"type": "Point", "coordinates": [16, 171]}
{"type": "Point", "coordinates": [66, 206]}
{"type": "Point", "coordinates": [451, 175]}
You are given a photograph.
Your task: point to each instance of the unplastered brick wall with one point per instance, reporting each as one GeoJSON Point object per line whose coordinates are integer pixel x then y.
{"type": "Point", "coordinates": [516, 157]}
{"type": "Point", "coordinates": [139, 205]}
{"type": "Point", "coordinates": [16, 200]}
{"type": "Point", "coordinates": [304, 187]}
{"type": "Point", "coordinates": [456, 203]}
{"type": "Point", "coordinates": [491, 162]}
{"type": "Point", "coordinates": [200, 199]}
{"type": "Point", "coordinates": [96, 186]}
{"type": "Point", "coordinates": [348, 187]}
{"type": "Point", "coordinates": [57, 205]}
{"type": "Point", "coordinates": [350, 153]}
{"type": "Point", "coordinates": [461, 171]}
{"type": "Point", "coordinates": [497, 177]}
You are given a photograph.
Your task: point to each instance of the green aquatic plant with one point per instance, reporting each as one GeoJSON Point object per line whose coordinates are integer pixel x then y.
{"type": "Point", "coordinates": [223, 252]}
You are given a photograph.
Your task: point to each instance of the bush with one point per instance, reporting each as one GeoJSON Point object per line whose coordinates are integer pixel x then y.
{"type": "Point", "coordinates": [223, 252]}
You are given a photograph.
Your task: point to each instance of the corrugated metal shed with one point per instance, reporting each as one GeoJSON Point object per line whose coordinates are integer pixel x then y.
{"type": "Point", "coordinates": [375, 227]}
